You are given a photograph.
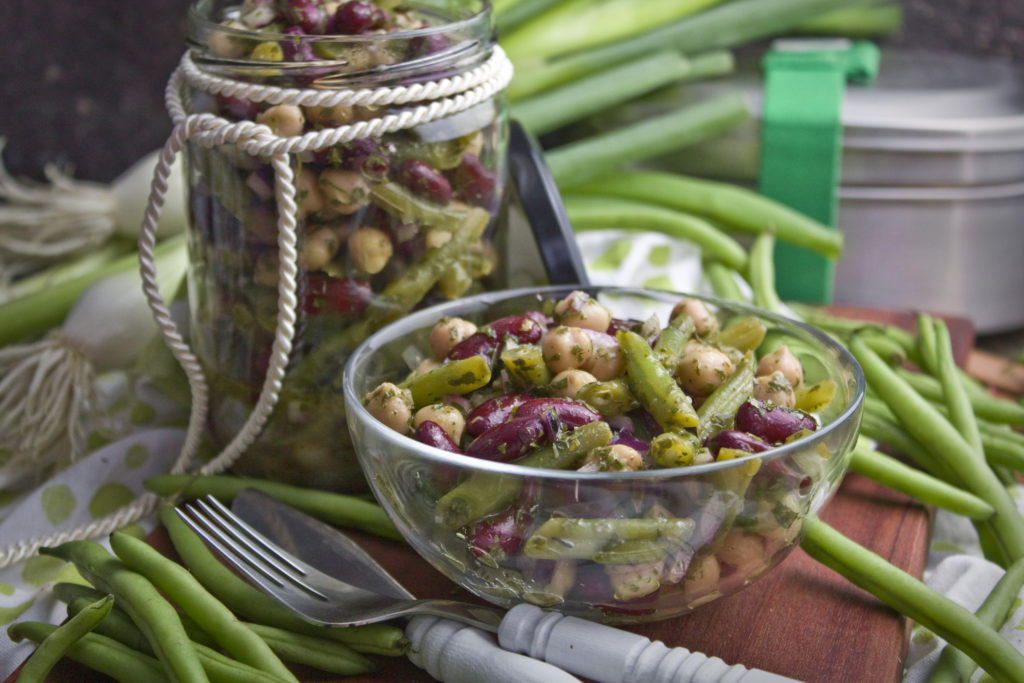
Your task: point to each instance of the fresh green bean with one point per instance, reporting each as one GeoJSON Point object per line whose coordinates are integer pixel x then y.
{"type": "Point", "coordinates": [511, 15]}
{"type": "Point", "coordinates": [654, 386]}
{"type": "Point", "coordinates": [55, 645]}
{"type": "Point", "coordinates": [603, 213]}
{"type": "Point", "coordinates": [926, 343]}
{"type": "Point", "coordinates": [326, 655]}
{"type": "Point", "coordinates": [761, 273]}
{"type": "Point", "coordinates": [953, 665]}
{"type": "Point", "coordinates": [578, 100]}
{"type": "Point", "coordinates": [570, 538]}
{"type": "Point", "coordinates": [156, 617]}
{"type": "Point", "coordinates": [890, 472]}
{"type": "Point", "coordinates": [178, 584]}
{"type": "Point", "coordinates": [934, 431]}
{"type": "Point", "coordinates": [576, 162]}
{"type": "Point", "coordinates": [722, 279]}
{"type": "Point", "coordinates": [610, 398]}
{"type": "Point", "coordinates": [986, 406]}
{"type": "Point", "coordinates": [334, 508]}
{"type": "Point", "coordinates": [251, 603]}
{"type": "Point", "coordinates": [98, 653]}
{"type": "Point", "coordinates": [454, 377]}
{"type": "Point", "coordinates": [961, 413]}
{"type": "Point", "coordinates": [889, 432]}
{"type": "Point", "coordinates": [912, 598]}
{"type": "Point", "coordinates": [733, 206]}
{"type": "Point", "coordinates": [718, 409]}
{"type": "Point", "coordinates": [672, 340]}
{"type": "Point", "coordinates": [485, 493]}
{"type": "Point", "coordinates": [220, 668]}
{"type": "Point", "coordinates": [525, 365]}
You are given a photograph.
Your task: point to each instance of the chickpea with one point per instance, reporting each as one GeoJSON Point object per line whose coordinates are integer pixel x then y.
{"type": "Point", "coordinates": [566, 348]}
{"type": "Point", "coordinates": [631, 581]}
{"type": "Point", "coordinates": [701, 579]}
{"type": "Point", "coordinates": [741, 550]}
{"type": "Point", "coordinates": [448, 417]}
{"type": "Point", "coordinates": [702, 369]}
{"type": "Point", "coordinates": [616, 458]}
{"type": "Point", "coordinates": [318, 248]}
{"type": "Point", "coordinates": [437, 238]}
{"type": "Point", "coordinates": [783, 360]}
{"type": "Point", "coordinates": [776, 389]}
{"type": "Point", "coordinates": [392, 406]}
{"type": "Point", "coordinates": [705, 322]}
{"type": "Point", "coordinates": [224, 44]}
{"type": "Point", "coordinates": [568, 383]}
{"type": "Point", "coordinates": [446, 333]}
{"type": "Point", "coordinates": [606, 362]}
{"type": "Point", "coordinates": [425, 365]}
{"type": "Point", "coordinates": [579, 309]}
{"type": "Point", "coordinates": [370, 248]}
{"type": "Point", "coordinates": [344, 191]}
{"type": "Point", "coordinates": [338, 115]}
{"type": "Point", "coordinates": [285, 120]}
{"type": "Point", "coordinates": [563, 577]}
{"type": "Point", "coordinates": [309, 198]}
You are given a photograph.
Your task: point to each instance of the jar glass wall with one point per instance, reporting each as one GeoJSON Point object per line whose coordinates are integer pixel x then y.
{"type": "Point", "coordinates": [385, 223]}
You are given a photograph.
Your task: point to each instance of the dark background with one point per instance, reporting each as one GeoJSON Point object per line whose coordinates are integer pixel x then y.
{"type": "Point", "coordinates": [81, 81]}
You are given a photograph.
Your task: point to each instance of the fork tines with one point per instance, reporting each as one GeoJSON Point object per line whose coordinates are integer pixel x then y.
{"type": "Point", "coordinates": [249, 551]}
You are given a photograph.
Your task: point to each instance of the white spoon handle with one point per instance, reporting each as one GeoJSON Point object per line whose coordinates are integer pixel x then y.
{"type": "Point", "coordinates": [610, 655]}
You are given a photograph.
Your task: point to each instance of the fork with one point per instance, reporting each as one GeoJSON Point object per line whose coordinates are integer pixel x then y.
{"type": "Point", "coordinates": [596, 651]}
{"type": "Point", "coordinates": [318, 597]}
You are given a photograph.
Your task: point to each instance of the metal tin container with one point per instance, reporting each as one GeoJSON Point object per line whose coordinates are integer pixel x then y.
{"type": "Point", "coordinates": [932, 181]}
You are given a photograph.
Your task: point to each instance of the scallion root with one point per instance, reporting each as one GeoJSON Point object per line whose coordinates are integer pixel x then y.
{"type": "Point", "coordinates": [47, 397]}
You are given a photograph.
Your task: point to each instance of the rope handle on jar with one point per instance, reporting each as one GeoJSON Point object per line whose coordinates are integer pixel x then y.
{"type": "Point", "coordinates": [444, 97]}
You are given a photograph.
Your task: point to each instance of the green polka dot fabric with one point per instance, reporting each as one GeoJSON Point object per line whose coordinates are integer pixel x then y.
{"type": "Point", "coordinates": [107, 478]}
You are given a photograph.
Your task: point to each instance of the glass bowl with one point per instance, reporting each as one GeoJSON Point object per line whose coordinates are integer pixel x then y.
{"type": "Point", "coordinates": [614, 546]}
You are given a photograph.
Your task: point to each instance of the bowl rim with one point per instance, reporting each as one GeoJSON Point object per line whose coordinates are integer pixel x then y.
{"type": "Point", "coordinates": [480, 302]}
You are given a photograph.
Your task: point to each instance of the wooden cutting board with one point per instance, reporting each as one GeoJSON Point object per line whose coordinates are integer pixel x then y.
{"type": "Point", "coordinates": [801, 620]}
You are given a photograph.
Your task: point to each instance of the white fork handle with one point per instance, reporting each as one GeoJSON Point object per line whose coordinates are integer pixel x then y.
{"type": "Point", "coordinates": [610, 655]}
{"type": "Point", "coordinates": [455, 653]}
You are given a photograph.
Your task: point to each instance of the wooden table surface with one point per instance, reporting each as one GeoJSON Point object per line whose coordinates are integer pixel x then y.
{"type": "Point", "coordinates": [801, 620]}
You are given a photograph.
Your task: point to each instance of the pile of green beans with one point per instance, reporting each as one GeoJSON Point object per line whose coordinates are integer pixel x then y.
{"type": "Point", "coordinates": [147, 617]}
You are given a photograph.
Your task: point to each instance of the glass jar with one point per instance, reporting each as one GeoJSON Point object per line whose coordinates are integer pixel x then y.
{"type": "Point", "coordinates": [385, 223]}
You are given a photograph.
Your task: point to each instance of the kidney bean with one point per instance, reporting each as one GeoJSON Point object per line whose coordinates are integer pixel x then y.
{"type": "Point", "coordinates": [473, 182]}
{"type": "Point", "coordinates": [740, 440]}
{"type": "Point", "coordinates": [773, 424]}
{"type": "Point", "coordinates": [433, 434]}
{"type": "Point", "coordinates": [493, 412]}
{"type": "Point", "coordinates": [489, 339]}
{"type": "Point", "coordinates": [510, 440]}
{"type": "Point", "coordinates": [423, 180]}
{"type": "Point", "coordinates": [344, 296]}
{"type": "Point", "coordinates": [569, 412]}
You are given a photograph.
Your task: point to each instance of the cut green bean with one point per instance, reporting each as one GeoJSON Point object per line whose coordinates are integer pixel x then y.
{"type": "Point", "coordinates": [654, 386]}
{"type": "Point", "coordinates": [251, 603]}
{"type": "Point", "coordinates": [934, 431]}
{"type": "Point", "coordinates": [98, 653]}
{"type": "Point", "coordinates": [718, 409]}
{"type": "Point", "coordinates": [182, 588]}
{"type": "Point", "coordinates": [334, 508]}
{"type": "Point", "coordinates": [525, 365]}
{"type": "Point", "coordinates": [761, 273]}
{"type": "Point", "coordinates": [674, 449]}
{"type": "Point", "coordinates": [454, 377]}
{"type": "Point", "coordinates": [912, 598]}
{"type": "Point", "coordinates": [578, 161]}
{"type": "Point", "coordinates": [733, 206]}
{"type": "Point", "coordinates": [588, 213]}
{"type": "Point", "coordinates": [135, 594]}
{"type": "Point", "coordinates": [892, 473]}
{"type": "Point", "coordinates": [953, 665]}
{"type": "Point", "coordinates": [57, 643]}
{"type": "Point", "coordinates": [485, 493]}
{"type": "Point", "coordinates": [577, 100]}
{"type": "Point", "coordinates": [671, 342]}
{"type": "Point", "coordinates": [744, 334]}
{"type": "Point", "coordinates": [610, 398]}
{"type": "Point", "coordinates": [581, 539]}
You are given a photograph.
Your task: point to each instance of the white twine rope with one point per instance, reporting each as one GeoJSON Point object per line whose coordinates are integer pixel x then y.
{"type": "Point", "coordinates": [438, 99]}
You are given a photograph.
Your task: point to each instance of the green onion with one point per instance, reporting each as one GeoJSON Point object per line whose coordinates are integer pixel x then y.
{"type": "Point", "coordinates": [576, 162]}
